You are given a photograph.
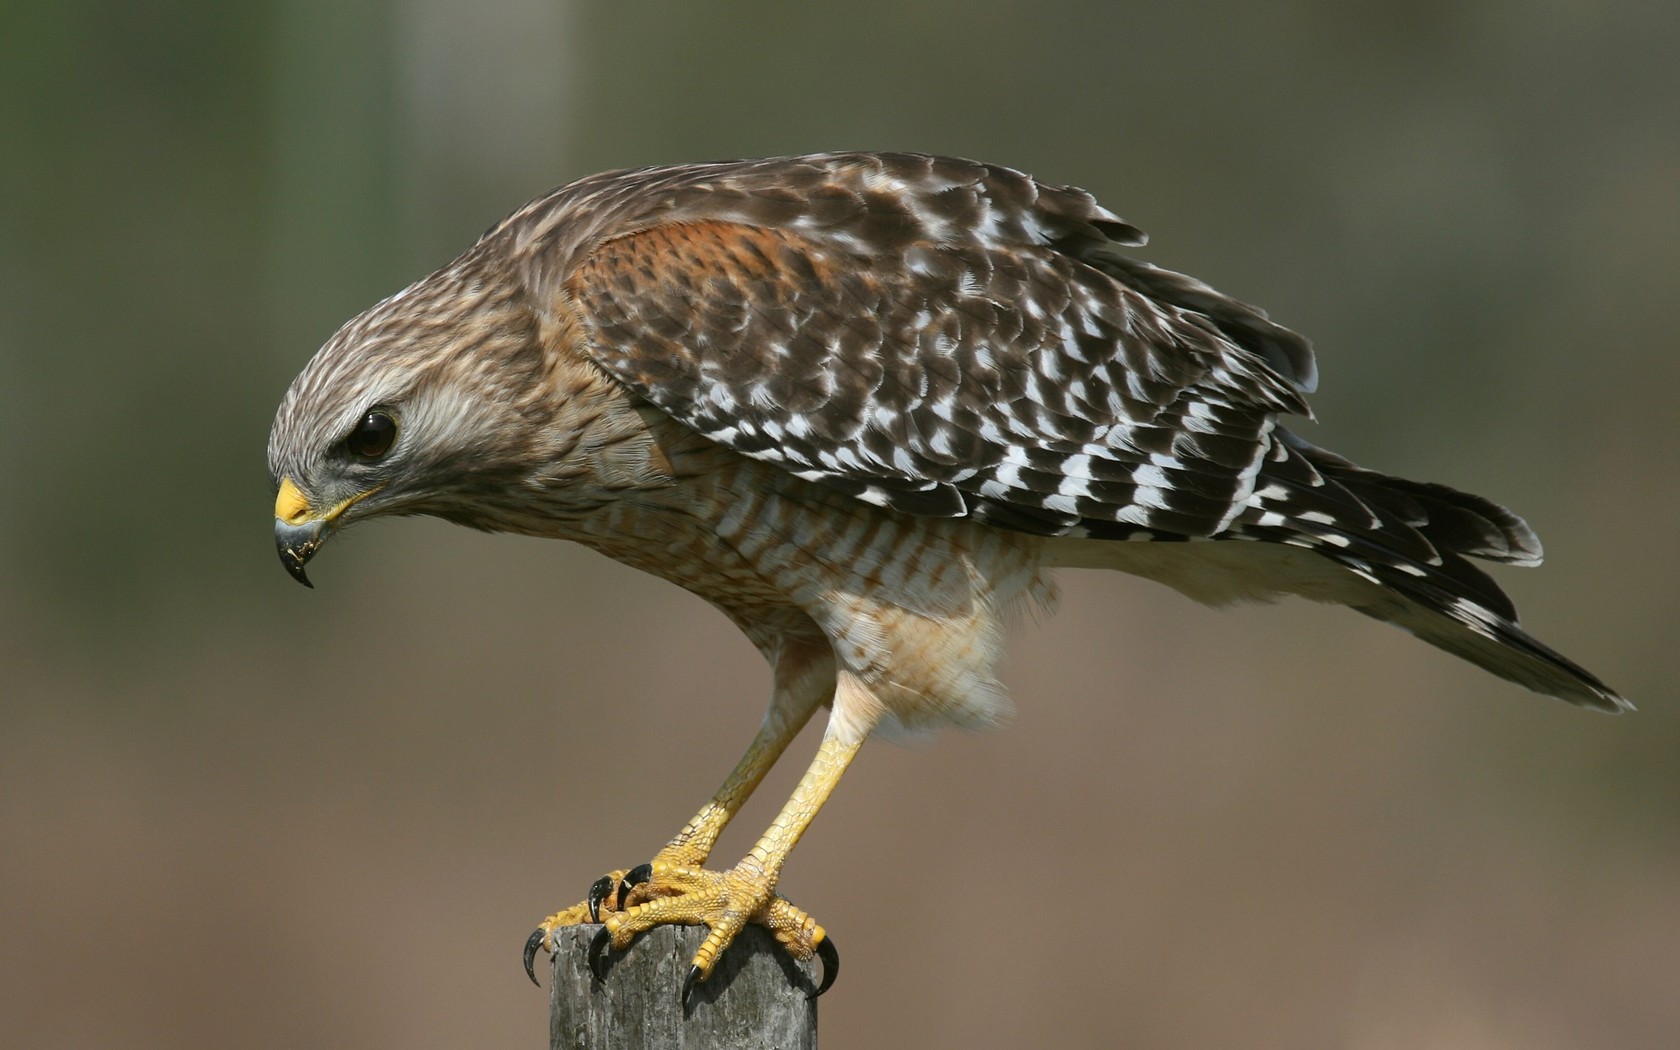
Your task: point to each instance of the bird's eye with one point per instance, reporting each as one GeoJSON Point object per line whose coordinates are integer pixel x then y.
{"type": "Point", "coordinates": [373, 436]}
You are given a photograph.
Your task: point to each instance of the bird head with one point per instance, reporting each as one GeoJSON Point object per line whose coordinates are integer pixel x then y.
{"type": "Point", "coordinates": [427, 403]}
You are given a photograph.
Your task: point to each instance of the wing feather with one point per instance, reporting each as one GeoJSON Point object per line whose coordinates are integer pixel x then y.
{"type": "Point", "coordinates": [941, 338]}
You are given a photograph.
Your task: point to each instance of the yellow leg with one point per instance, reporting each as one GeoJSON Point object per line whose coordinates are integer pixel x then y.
{"type": "Point", "coordinates": [726, 901]}
{"type": "Point", "coordinates": [803, 678]}
{"type": "Point", "coordinates": [693, 844]}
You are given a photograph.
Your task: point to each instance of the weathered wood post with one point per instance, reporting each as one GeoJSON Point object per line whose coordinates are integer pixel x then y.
{"type": "Point", "coordinates": [756, 999]}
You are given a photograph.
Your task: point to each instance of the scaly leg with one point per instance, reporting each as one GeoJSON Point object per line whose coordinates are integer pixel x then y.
{"type": "Point", "coordinates": [790, 708]}
{"type": "Point", "coordinates": [726, 901]}
{"type": "Point", "coordinates": [803, 679]}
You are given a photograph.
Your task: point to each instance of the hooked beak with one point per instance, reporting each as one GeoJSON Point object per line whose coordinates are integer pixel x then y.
{"type": "Point", "coordinates": [297, 544]}
{"type": "Point", "coordinates": [298, 533]}
{"type": "Point", "coordinates": [299, 530]}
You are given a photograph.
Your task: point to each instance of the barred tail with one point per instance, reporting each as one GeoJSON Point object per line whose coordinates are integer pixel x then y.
{"type": "Point", "coordinates": [1410, 539]}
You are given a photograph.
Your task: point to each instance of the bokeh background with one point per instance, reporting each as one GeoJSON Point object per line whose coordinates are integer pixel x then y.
{"type": "Point", "coordinates": [237, 813]}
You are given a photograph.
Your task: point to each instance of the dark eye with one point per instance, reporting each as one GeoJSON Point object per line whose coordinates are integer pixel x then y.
{"type": "Point", "coordinates": [373, 436]}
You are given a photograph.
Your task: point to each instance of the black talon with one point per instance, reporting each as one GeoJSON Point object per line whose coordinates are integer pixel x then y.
{"type": "Point", "coordinates": [532, 943]}
{"type": "Point", "coordinates": [634, 877]}
{"type": "Point", "coordinates": [830, 956]}
{"type": "Point", "coordinates": [689, 982]}
{"type": "Point", "coordinates": [598, 891]}
{"type": "Point", "coordinates": [598, 954]}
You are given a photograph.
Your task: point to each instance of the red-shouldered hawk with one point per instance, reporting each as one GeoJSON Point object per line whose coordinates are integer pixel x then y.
{"type": "Point", "coordinates": [862, 404]}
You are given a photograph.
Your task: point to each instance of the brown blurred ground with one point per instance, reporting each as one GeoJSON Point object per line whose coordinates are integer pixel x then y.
{"type": "Point", "coordinates": [235, 813]}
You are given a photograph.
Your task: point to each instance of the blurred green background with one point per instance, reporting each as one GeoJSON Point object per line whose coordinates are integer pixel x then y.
{"type": "Point", "coordinates": [237, 813]}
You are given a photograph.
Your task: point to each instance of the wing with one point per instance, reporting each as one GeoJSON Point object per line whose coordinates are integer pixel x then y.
{"type": "Point", "coordinates": [941, 338]}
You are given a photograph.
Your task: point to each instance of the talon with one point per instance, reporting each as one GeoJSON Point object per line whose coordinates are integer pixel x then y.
{"type": "Point", "coordinates": [830, 957]}
{"type": "Point", "coordinates": [598, 891]}
{"type": "Point", "coordinates": [532, 943]}
{"type": "Point", "coordinates": [672, 893]}
{"type": "Point", "coordinates": [634, 877]}
{"type": "Point", "coordinates": [598, 953]}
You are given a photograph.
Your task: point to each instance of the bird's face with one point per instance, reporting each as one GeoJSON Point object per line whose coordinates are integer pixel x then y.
{"type": "Point", "coordinates": [349, 466]}
{"type": "Point", "coordinates": [409, 409]}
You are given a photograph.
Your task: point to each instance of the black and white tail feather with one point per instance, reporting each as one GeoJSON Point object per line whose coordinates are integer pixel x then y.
{"type": "Point", "coordinates": [1409, 540]}
{"type": "Point", "coordinates": [1405, 543]}
{"type": "Point", "coordinates": [1395, 550]}
{"type": "Point", "coordinates": [1412, 541]}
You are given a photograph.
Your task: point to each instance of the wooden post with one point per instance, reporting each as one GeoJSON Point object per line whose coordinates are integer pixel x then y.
{"type": "Point", "coordinates": [755, 999]}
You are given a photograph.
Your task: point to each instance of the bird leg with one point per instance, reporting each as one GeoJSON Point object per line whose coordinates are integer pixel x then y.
{"type": "Point", "coordinates": [693, 844]}
{"type": "Point", "coordinates": [726, 901]}
{"type": "Point", "coordinates": [800, 682]}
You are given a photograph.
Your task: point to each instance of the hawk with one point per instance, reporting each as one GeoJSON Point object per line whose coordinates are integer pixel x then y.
{"type": "Point", "coordinates": [863, 404]}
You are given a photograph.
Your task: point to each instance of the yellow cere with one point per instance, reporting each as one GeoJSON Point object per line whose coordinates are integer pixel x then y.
{"type": "Point", "coordinates": [290, 506]}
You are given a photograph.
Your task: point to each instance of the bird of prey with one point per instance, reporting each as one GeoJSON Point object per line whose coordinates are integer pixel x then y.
{"type": "Point", "coordinates": [863, 404]}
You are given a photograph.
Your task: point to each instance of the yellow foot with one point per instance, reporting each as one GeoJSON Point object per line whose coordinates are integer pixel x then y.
{"type": "Point", "coordinates": [668, 893]}
{"type": "Point", "coordinates": [606, 892]}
